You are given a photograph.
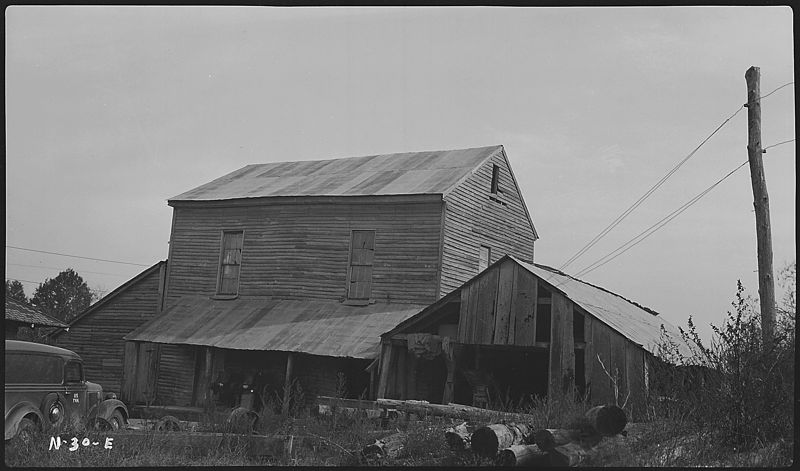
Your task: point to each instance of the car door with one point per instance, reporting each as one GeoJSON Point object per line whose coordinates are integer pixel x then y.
{"type": "Point", "coordinates": [74, 391]}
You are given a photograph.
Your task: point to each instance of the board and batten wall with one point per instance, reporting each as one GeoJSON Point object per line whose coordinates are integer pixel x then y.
{"type": "Point", "coordinates": [301, 249]}
{"type": "Point", "coordinates": [98, 336]}
{"type": "Point", "coordinates": [474, 217]}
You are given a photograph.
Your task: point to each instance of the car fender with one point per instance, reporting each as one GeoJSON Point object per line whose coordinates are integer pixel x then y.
{"type": "Point", "coordinates": [108, 406]}
{"type": "Point", "coordinates": [16, 414]}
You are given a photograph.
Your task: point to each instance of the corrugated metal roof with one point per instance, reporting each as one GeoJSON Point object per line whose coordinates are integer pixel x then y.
{"type": "Point", "coordinates": [327, 328]}
{"type": "Point", "coordinates": [639, 324]}
{"type": "Point", "coordinates": [433, 172]}
{"type": "Point", "coordinates": [26, 314]}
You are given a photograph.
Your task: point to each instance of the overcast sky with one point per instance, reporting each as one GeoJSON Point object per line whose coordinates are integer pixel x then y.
{"type": "Point", "coordinates": [110, 111]}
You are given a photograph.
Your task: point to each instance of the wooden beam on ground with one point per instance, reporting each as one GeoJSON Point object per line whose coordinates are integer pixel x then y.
{"type": "Point", "coordinates": [489, 440]}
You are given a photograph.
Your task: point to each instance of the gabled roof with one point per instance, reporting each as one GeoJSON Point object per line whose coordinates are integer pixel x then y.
{"type": "Point", "coordinates": [637, 323]}
{"type": "Point", "coordinates": [26, 314]}
{"type": "Point", "coordinates": [411, 173]}
{"type": "Point", "coordinates": [111, 296]}
{"type": "Point", "coordinates": [318, 327]}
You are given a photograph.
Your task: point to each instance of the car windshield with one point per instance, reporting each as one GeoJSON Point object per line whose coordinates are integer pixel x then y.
{"type": "Point", "coordinates": [32, 368]}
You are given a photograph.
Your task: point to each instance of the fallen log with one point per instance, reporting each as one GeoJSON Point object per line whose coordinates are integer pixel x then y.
{"type": "Point", "coordinates": [458, 437]}
{"type": "Point", "coordinates": [607, 420]}
{"type": "Point", "coordinates": [489, 440]}
{"type": "Point", "coordinates": [522, 455]}
{"type": "Point", "coordinates": [386, 447]}
{"type": "Point", "coordinates": [547, 439]}
{"type": "Point", "coordinates": [570, 454]}
{"type": "Point", "coordinates": [457, 411]}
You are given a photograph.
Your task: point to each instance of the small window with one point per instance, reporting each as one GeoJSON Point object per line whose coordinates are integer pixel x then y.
{"type": "Point", "coordinates": [73, 372]}
{"type": "Point", "coordinates": [24, 368]}
{"type": "Point", "coordinates": [495, 179]}
{"type": "Point", "coordinates": [484, 254]}
{"type": "Point", "coordinates": [362, 254]}
{"type": "Point", "coordinates": [230, 262]}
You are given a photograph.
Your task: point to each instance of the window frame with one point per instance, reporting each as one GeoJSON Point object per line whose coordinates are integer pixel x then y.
{"type": "Point", "coordinates": [221, 265]}
{"type": "Point", "coordinates": [347, 295]}
{"type": "Point", "coordinates": [488, 257]}
{"type": "Point", "coordinates": [81, 377]}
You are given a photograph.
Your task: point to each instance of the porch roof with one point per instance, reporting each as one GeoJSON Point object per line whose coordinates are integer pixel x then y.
{"type": "Point", "coordinates": [327, 328]}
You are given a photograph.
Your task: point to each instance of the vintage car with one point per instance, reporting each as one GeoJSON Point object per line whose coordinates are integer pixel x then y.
{"type": "Point", "coordinates": [45, 390]}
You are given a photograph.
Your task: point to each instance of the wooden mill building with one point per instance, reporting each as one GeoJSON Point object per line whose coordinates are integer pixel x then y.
{"type": "Point", "coordinates": [292, 270]}
{"type": "Point", "coordinates": [519, 330]}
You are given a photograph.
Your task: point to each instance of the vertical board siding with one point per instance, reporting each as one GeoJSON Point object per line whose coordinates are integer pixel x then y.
{"type": "Point", "coordinates": [301, 251]}
{"type": "Point", "coordinates": [97, 336]}
{"type": "Point", "coordinates": [487, 301]}
{"type": "Point", "coordinates": [557, 322]}
{"type": "Point", "coordinates": [472, 220]}
{"type": "Point", "coordinates": [563, 309]}
{"type": "Point", "coordinates": [635, 377]}
{"type": "Point", "coordinates": [505, 291]}
{"type": "Point", "coordinates": [602, 391]}
{"type": "Point", "coordinates": [588, 353]}
{"type": "Point", "coordinates": [525, 296]}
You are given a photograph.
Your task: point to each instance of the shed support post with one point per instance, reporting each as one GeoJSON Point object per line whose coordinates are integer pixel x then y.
{"type": "Point", "coordinates": [385, 366]}
{"type": "Point", "coordinates": [287, 386]}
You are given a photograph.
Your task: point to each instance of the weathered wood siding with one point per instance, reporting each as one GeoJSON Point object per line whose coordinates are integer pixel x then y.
{"type": "Point", "coordinates": [474, 217]}
{"type": "Point", "coordinates": [97, 336]}
{"type": "Point", "coordinates": [562, 349]}
{"type": "Point", "coordinates": [301, 251]}
{"type": "Point", "coordinates": [176, 368]}
{"type": "Point", "coordinates": [499, 307]}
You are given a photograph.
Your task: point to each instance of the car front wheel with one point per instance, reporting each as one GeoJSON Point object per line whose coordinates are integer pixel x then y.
{"type": "Point", "coordinates": [26, 429]}
{"type": "Point", "coordinates": [117, 420]}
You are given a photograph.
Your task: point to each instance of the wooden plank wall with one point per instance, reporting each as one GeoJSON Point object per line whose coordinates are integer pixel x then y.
{"type": "Point", "coordinates": [97, 337]}
{"type": "Point", "coordinates": [562, 347]}
{"type": "Point", "coordinates": [176, 368]}
{"type": "Point", "coordinates": [301, 251]}
{"type": "Point", "coordinates": [499, 307]}
{"type": "Point", "coordinates": [472, 219]}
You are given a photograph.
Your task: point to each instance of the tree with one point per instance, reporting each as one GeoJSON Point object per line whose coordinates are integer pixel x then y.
{"type": "Point", "coordinates": [14, 290]}
{"type": "Point", "coordinates": [64, 296]}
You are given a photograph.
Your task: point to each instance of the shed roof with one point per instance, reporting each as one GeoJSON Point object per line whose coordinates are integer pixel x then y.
{"type": "Point", "coordinates": [26, 314]}
{"type": "Point", "coordinates": [411, 173]}
{"type": "Point", "coordinates": [327, 328]}
{"type": "Point", "coordinates": [639, 324]}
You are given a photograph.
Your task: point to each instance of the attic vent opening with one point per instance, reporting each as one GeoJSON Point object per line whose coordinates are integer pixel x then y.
{"type": "Point", "coordinates": [495, 179]}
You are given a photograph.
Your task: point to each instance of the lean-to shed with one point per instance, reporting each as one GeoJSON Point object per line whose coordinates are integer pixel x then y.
{"type": "Point", "coordinates": [519, 330]}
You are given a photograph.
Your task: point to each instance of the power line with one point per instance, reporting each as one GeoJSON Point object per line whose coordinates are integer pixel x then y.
{"type": "Point", "coordinates": [58, 268]}
{"type": "Point", "coordinates": [77, 256]}
{"type": "Point", "coordinates": [646, 195]}
{"type": "Point", "coordinates": [776, 145]}
{"type": "Point", "coordinates": [658, 184]}
{"type": "Point", "coordinates": [26, 281]}
{"type": "Point", "coordinates": [653, 228]}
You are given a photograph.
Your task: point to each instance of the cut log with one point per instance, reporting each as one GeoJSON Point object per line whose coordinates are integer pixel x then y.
{"type": "Point", "coordinates": [570, 454]}
{"type": "Point", "coordinates": [607, 420]}
{"type": "Point", "coordinates": [489, 440]}
{"type": "Point", "coordinates": [457, 411]}
{"type": "Point", "coordinates": [386, 447]}
{"type": "Point", "coordinates": [547, 439]}
{"type": "Point", "coordinates": [458, 437]}
{"type": "Point", "coordinates": [522, 455]}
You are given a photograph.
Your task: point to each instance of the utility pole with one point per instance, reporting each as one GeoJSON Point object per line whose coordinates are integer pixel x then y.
{"type": "Point", "coordinates": [766, 282]}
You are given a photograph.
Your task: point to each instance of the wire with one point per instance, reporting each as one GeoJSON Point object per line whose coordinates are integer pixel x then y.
{"type": "Point", "coordinates": [77, 256]}
{"type": "Point", "coordinates": [776, 145]}
{"type": "Point", "coordinates": [26, 281]}
{"type": "Point", "coordinates": [653, 228]}
{"type": "Point", "coordinates": [646, 195]}
{"type": "Point", "coordinates": [58, 268]}
{"type": "Point", "coordinates": [658, 184]}
{"type": "Point", "coordinates": [773, 91]}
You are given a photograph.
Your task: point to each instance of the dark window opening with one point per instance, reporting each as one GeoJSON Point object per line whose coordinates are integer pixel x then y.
{"type": "Point", "coordinates": [230, 262]}
{"type": "Point", "coordinates": [543, 323]}
{"type": "Point", "coordinates": [23, 368]}
{"type": "Point", "coordinates": [577, 326]}
{"type": "Point", "coordinates": [362, 254]}
{"type": "Point", "coordinates": [495, 179]}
